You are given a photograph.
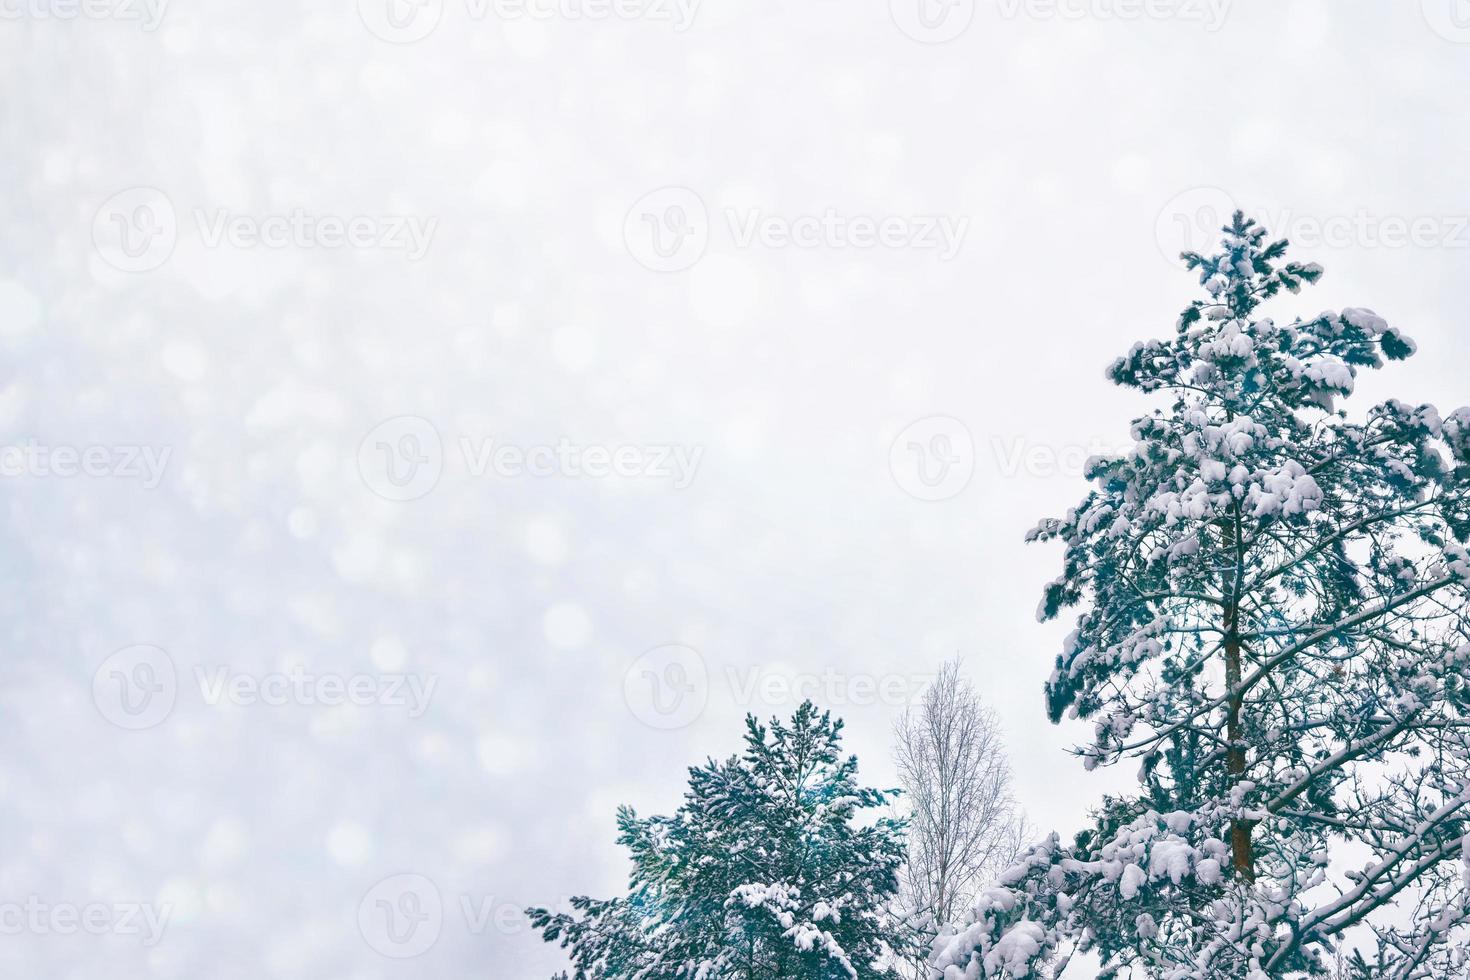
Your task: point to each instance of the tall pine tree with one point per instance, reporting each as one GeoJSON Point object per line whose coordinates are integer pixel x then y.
{"type": "Point", "coordinates": [1273, 622]}
{"type": "Point", "coordinates": [764, 872]}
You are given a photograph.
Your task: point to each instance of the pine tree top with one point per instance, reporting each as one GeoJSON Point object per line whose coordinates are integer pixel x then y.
{"type": "Point", "coordinates": [764, 871]}
{"type": "Point", "coordinates": [1235, 362]}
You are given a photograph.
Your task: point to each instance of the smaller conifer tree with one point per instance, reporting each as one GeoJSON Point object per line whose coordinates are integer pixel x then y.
{"type": "Point", "coordinates": [766, 871]}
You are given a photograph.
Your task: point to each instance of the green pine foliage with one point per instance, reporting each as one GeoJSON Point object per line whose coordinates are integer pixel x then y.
{"type": "Point", "coordinates": [775, 866]}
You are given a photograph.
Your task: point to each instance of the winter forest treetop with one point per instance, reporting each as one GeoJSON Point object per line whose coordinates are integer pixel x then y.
{"type": "Point", "coordinates": [1272, 622]}
{"type": "Point", "coordinates": [768, 870]}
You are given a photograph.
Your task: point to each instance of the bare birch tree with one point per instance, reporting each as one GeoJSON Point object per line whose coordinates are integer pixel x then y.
{"type": "Point", "coordinates": [964, 823]}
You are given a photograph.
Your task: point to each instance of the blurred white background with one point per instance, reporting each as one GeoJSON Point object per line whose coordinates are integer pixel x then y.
{"type": "Point", "coordinates": [428, 425]}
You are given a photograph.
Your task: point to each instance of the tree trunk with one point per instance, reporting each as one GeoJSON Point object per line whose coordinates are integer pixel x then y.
{"type": "Point", "coordinates": [1242, 855]}
{"type": "Point", "coordinates": [1241, 852]}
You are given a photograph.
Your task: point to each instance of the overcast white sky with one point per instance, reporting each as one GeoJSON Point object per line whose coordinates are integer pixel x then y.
{"type": "Point", "coordinates": [448, 359]}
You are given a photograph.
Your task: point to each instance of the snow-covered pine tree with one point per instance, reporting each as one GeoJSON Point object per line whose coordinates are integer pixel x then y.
{"type": "Point", "coordinates": [764, 872]}
{"type": "Point", "coordinates": [1274, 623]}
